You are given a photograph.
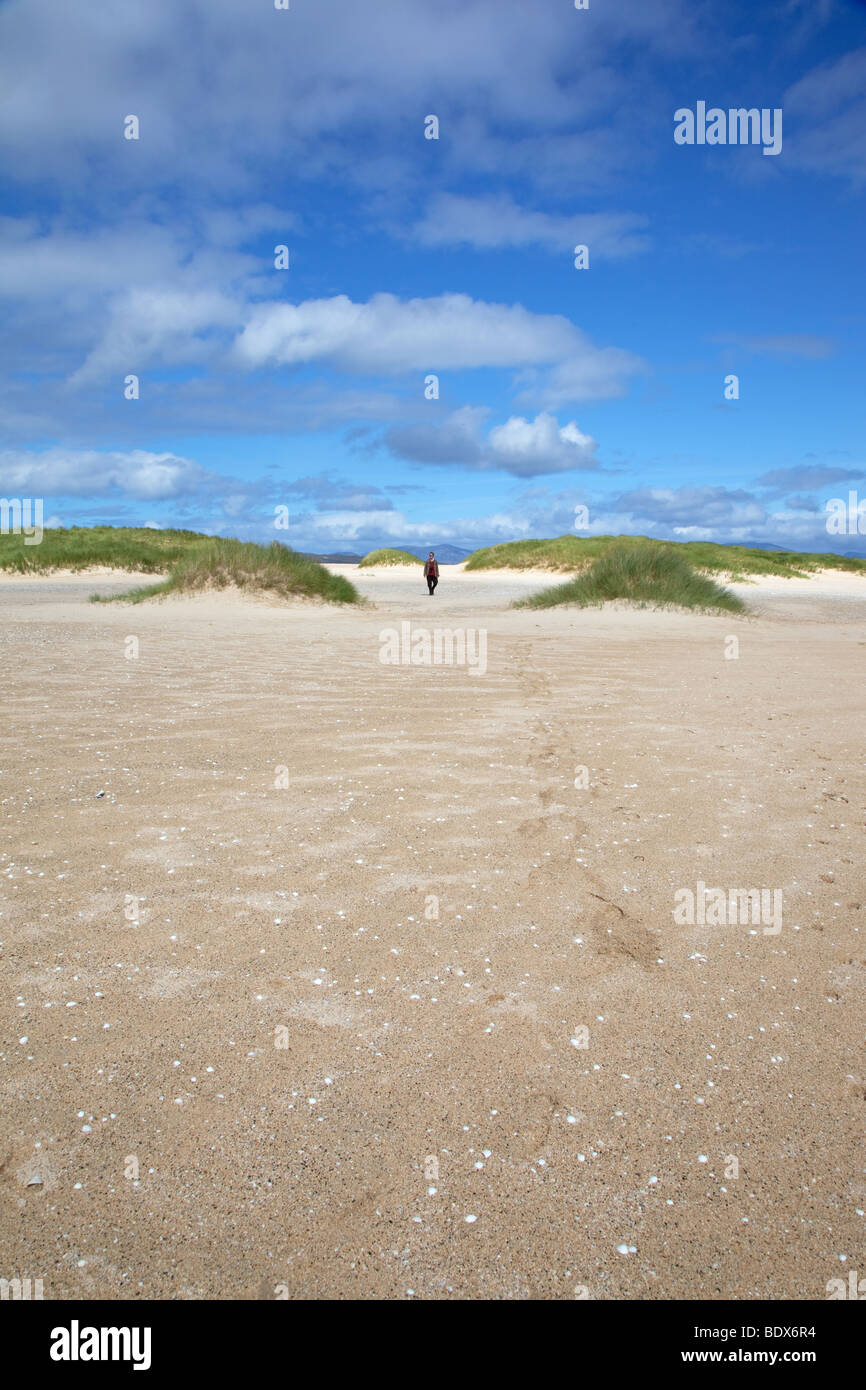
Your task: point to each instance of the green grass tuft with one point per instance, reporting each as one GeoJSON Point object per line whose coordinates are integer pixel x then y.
{"type": "Point", "coordinates": [389, 557]}
{"type": "Point", "coordinates": [647, 574]}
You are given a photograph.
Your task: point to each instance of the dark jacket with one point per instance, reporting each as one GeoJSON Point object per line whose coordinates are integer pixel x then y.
{"type": "Point", "coordinates": [431, 567]}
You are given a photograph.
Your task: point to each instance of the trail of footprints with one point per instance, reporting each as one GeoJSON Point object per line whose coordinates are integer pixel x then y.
{"type": "Point", "coordinates": [609, 929]}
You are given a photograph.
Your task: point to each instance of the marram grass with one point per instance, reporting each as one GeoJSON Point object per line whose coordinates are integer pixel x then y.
{"type": "Point", "coordinates": [647, 574]}
{"type": "Point", "coordinates": [139, 548]}
{"type": "Point", "coordinates": [186, 562]}
{"type": "Point", "coordinates": [577, 552]}
{"type": "Point", "coordinates": [389, 557]}
{"type": "Point", "coordinates": [269, 569]}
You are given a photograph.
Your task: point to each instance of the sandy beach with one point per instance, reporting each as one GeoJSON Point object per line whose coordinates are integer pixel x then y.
{"type": "Point", "coordinates": [331, 978]}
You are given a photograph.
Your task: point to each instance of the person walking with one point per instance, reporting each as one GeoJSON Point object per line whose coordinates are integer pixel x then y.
{"type": "Point", "coordinates": [431, 573]}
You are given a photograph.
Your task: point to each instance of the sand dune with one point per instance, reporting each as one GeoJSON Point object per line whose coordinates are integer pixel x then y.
{"type": "Point", "coordinates": [300, 999]}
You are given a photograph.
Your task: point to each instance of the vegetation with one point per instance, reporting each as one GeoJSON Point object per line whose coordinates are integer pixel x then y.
{"type": "Point", "coordinates": [577, 552]}
{"type": "Point", "coordinates": [139, 548]}
{"type": "Point", "coordinates": [265, 568]}
{"type": "Point", "coordinates": [564, 553]}
{"type": "Point", "coordinates": [187, 560]}
{"type": "Point", "coordinates": [389, 557]}
{"type": "Point", "coordinates": [654, 574]}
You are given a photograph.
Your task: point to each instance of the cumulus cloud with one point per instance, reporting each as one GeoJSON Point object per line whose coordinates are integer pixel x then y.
{"type": "Point", "coordinates": [556, 361]}
{"type": "Point", "coordinates": [317, 531]}
{"type": "Point", "coordinates": [86, 472]}
{"type": "Point", "coordinates": [390, 335]}
{"type": "Point", "coordinates": [524, 448]}
{"type": "Point", "coordinates": [707, 508]}
{"type": "Point", "coordinates": [455, 439]}
{"type": "Point", "coordinates": [792, 528]}
{"type": "Point", "coordinates": [529, 447]}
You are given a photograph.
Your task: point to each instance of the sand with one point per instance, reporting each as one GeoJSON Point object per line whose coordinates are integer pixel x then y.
{"type": "Point", "coordinates": [245, 1058]}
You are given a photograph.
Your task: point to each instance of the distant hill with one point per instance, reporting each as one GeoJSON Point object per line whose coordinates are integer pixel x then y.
{"type": "Point", "coordinates": [338, 558]}
{"type": "Point", "coordinates": [755, 545]}
{"type": "Point", "coordinates": [770, 545]}
{"type": "Point", "coordinates": [445, 554]}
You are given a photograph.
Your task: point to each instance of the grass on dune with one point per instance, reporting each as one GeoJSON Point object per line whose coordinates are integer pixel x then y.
{"type": "Point", "coordinates": [186, 560]}
{"type": "Point", "coordinates": [389, 557]}
{"type": "Point", "coordinates": [577, 552]}
{"type": "Point", "coordinates": [565, 553]}
{"type": "Point", "coordinates": [242, 564]}
{"type": "Point", "coordinates": [118, 547]}
{"type": "Point", "coordinates": [647, 574]}
{"type": "Point", "coordinates": [740, 562]}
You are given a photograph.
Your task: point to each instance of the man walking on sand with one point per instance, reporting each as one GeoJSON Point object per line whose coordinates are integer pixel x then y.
{"type": "Point", "coordinates": [431, 573]}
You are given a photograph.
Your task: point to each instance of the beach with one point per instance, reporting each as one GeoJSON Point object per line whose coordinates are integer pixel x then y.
{"type": "Point", "coordinates": [331, 977]}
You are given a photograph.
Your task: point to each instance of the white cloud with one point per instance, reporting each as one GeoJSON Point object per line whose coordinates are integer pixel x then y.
{"type": "Point", "coordinates": [590, 374]}
{"type": "Point", "coordinates": [184, 322]}
{"type": "Point", "coordinates": [708, 508]}
{"type": "Point", "coordinates": [86, 472]}
{"type": "Point", "coordinates": [372, 527]}
{"type": "Point", "coordinates": [235, 84]}
{"type": "Point", "coordinates": [121, 297]}
{"type": "Point", "coordinates": [524, 448]}
{"type": "Point", "coordinates": [159, 325]}
{"type": "Point", "coordinates": [61, 260]}
{"type": "Point", "coordinates": [449, 332]}
{"type": "Point", "coordinates": [828, 111]}
{"type": "Point", "coordinates": [385, 336]}
{"type": "Point", "coordinates": [497, 222]}
{"type": "Point", "coordinates": [390, 335]}
{"type": "Point", "coordinates": [189, 325]}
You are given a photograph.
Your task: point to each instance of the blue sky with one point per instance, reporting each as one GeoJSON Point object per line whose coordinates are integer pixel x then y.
{"type": "Point", "coordinates": [305, 388]}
